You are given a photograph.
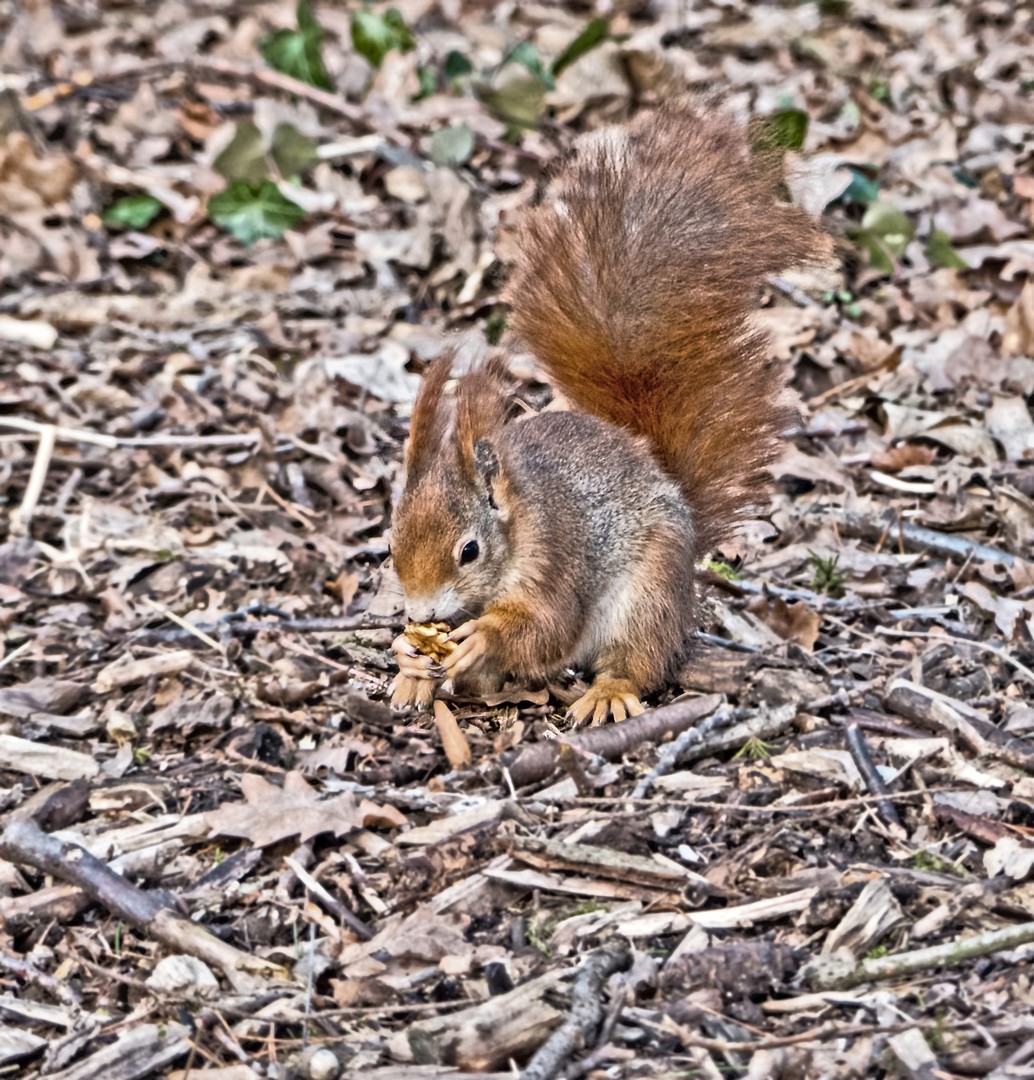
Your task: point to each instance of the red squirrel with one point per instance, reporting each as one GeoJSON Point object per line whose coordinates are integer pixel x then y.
{"type": "Point", "coordinates": [572, 538]}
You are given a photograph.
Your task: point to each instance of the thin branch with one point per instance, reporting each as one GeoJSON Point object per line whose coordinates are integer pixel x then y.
{"type": "Point", "coordinates": [24, 842]}
{"type": "Point", "coordinates": [37, 478]}
{"type": "Point", "coordinates": [586, 1012]}
{"type": "Point", "coordinates": [917, 538]}
{"type": "Point", "coordinates": [533, 763]}
{"type": "Point", "coordinates": [873, 781]}
{"type": "Point", "coordinates": [111, 442]}
{"type": "Point", "coordinates": [834, 974]}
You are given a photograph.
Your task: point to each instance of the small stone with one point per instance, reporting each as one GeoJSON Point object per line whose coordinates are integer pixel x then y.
{"type": "Point", "coordinates": [322, 1064]}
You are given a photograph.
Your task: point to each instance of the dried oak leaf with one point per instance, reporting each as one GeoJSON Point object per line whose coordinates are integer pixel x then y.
{"type": "Point", "coordinates": [271, 814]}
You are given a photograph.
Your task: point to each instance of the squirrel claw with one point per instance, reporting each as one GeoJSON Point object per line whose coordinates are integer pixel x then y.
{"type": "Point", "coordinates": [413, 664]}
{"type": "Point", "coordinates": [407, 692]}
{"type": "Point", "coordinates": [473, 648]}
{"type": "Point", "coordinates": [613, 697]}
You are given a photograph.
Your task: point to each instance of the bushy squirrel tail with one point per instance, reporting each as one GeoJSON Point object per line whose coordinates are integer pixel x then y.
{"type": "Point", "coordinates": [635, 284]}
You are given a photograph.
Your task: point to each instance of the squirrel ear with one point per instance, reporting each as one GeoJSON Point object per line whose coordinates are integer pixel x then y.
{"type": "Point", "coordinates": [429, 422]}
{"type": "Point", "coordinates": [486, 462]}
{"type": "Point", "coordinates": [489, 477]}
{"type": "Point", "coordinates": [482, 399]}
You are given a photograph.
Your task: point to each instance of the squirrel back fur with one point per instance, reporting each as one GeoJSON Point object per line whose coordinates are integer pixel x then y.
{"type": "Point", "coordinates": [635, 284]}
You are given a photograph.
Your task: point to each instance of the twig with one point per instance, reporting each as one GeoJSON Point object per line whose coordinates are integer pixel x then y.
{"type": "Point", "coordinates": [984, 646]}
{"type": "Point", "coordinates": [833, 974]}
{"type": "Point", "coordinates": [536, 762]}
{"type": "Point", "coordinates": [245, 629]}
{"type": "Point", "coordinates": [353, 922]}
{"type": "Point", "coordinates": [314, 626]}
{"type": "Point", "coordinates": [819, 1034]}
{"type": "Point", "coordinates": [275, 80]}
{"type": "Point", "coordinates": [710, 738]}
{"type": "Point", "coordinates": [917, 538]}
{"type": "Point", "coordinates": [61, 434]}
{"type": "Point", "coordinates": [15, 653]}
{"type": "Point", "coordinates": [23, 841]}
{"type": "Point", "coordinates": [585, 1014]}
{"type": "Point", "coordinates": [171, 615]}
{"type": "Point", "coordinates": [873, 781]}
{"type": "Point", "coordinates": [111, 442]}
{"type": "Point", "coordinates": [37, 478]}
{"type": "Point", "coordinates": [725, 643]}
{"type": "Point", "coordinates": [794, 595]}
{"type": "Point", "coordinates": [938, 712]}
{"type": "Point", "coordinates": [591, 1061]}
{"type": "Point", "coordinates": [672, 752]}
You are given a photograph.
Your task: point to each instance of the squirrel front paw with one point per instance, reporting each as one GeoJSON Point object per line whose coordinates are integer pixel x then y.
{"type": "Point", "coordinates": [407, 693]}
{"type": "Point", "coordinates": [606, 696]}
{"type": "Point", "coordinates": [474, 648]}
{"type": "Point", "coordinates": [418, 677]}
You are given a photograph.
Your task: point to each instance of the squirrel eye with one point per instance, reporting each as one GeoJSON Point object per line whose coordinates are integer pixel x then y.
{"type": "Point", "coordinates": [470, 552]}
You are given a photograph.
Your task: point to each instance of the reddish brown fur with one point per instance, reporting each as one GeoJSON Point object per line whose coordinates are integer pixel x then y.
{"type": "Point", "coordinates": [481, 407]}
{"type": "Point", "coordinates": [429, 422]}
{"type": "Point", "coordinates": [635, 284]}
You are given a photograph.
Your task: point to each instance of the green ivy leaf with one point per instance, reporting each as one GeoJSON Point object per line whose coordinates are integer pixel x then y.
{"type": "Point", "coordinates": [452, 145]}
{"type": "Point", "coordinates": [941, 253]}
{"type": "Point", "coordinates": [133, 211]}
{"type": "Point", "coordinates": [516, 95]}
{"type": "Point", "coordinates": [528, 57]}
{"type": "Point", "coordinates": [292, 152]}
{"type": "Point", "coordinates": [374, 36]}
{"type": "Point", "coordinates": [428, 81]}
{"type": "Point", "coordinates": [864, 187]}
{"type": "Point", "coordinates": [595, 33]}
{"type": "Point", "coordinates": [253, 212]}
{"type": "Point", "coordinates": [307, 23]}
{"type": "Point", "coordinates": [298, 52]}
{"type": "Point", "coordinates": [245, 156]}
{"type": "Point", "coordinates": [456, 65]}
{"type": "Point", "coordinates": [884, 234]}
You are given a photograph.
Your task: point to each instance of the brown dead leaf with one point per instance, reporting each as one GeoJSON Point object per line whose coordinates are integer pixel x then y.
{"type": "Point", "coordinates": [1018, 339]}
{"type": "Point", "coordinates": [270, 813]}
{"type": "Point", "coordinates": [899, 458]}
{"type": "Point", "coordinates": [1014, 618]}
{"type": "Point", "coordinates": [28, 180]}
{"type": "Point", "coordinates": [792, 622]}
{"type": "Point", "coordinates": [454, 742]}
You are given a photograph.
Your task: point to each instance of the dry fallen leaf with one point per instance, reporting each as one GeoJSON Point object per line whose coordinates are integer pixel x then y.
{"type": "Point", "coordinates": [270, 813]}
{"type": "Point", "coordinates": [792, 622]}
{"type": "Point", "coordinates": [454, 742]}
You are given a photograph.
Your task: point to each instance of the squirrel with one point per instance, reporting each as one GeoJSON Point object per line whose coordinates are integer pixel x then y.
{"type": "Point", "coordinates": [573, 538]}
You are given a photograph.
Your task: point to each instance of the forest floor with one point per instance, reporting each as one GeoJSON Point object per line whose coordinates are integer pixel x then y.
{"type": "Point", "coordinates": [231, 236]}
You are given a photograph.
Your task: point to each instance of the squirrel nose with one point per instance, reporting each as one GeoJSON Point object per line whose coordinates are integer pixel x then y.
{"type": "Point", "coordinates": [420, 611]}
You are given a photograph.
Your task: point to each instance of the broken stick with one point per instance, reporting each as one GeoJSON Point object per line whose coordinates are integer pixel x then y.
{"type": "Point", "coordinates": [23, 841]}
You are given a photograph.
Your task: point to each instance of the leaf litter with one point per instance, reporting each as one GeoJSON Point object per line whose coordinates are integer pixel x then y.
{"type": "Point", "coordinates": [230, 239]}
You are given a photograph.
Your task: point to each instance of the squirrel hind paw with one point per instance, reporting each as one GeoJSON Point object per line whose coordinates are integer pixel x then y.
{"type": "Point", "coordinates": [606, 697]}
{"type": "Point", "coordinates": [409, 693]}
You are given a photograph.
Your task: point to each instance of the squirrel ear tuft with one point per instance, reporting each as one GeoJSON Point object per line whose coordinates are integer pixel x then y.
{"type": "Point", "coordinates": [482, 404]}
{"type": "Point", "coordinates": [429, 422]}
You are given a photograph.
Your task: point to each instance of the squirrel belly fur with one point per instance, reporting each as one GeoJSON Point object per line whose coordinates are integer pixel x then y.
{"type": "Point", "coordinates": [573, 538]}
